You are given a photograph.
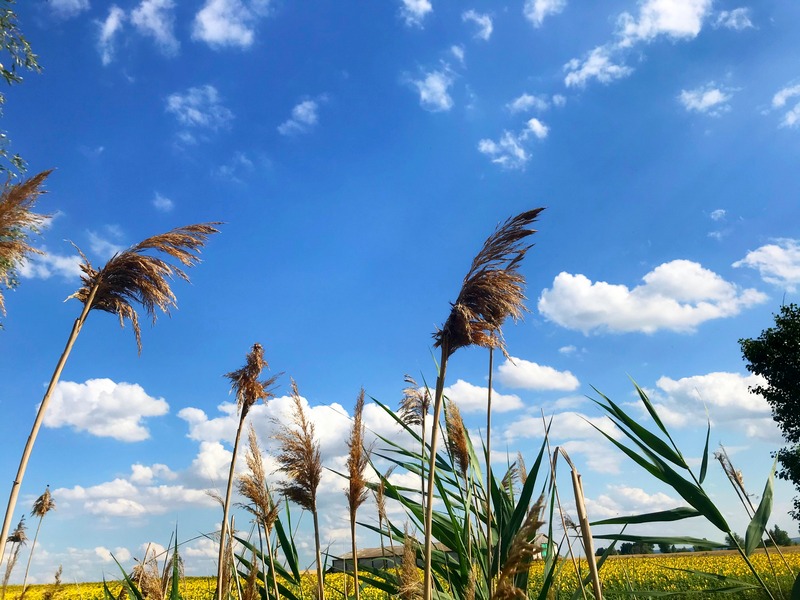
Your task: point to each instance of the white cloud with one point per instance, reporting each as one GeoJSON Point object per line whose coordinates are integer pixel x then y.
{"type": "Point", "coordinates": [792, 117]}
{"type": "Point", "coordinates": [154, 18]}
{"type": "Point", "coordinates": [537, 128]}
{"type": "Point", "coordinates": [536, 10]}
{"type": "Point", "coordinates": [415, 11]}
{"type": "Point", "coordinates": [225, 23]}
{"type": "Point", "coordinates": [199, 107]}
{"type": "Point", "coordinates": [162, 203]}
{"type": "Point", "coordinates": [778, 263]}
{"type": "Point", "coordinates": [627, 500]}
{"type": "Point", "coordinates": [66, 9]}
{"type": "Point", "coordinates": [433, 91]}
{"type": "Point", "coordinates": [709, 99]}
{"type": "Point", "coordinates": [106, 555]}
{"type": "Point", "coordinates": [718, 214]}
{"type": "Point", "coordinates": [568, 350]}
{"type": "Point", "coordinates": [304, 117]}
{"type": "Point", "coordinates": [509, 151]}
{"type": "Point", "coordinates": [108, 32]}
{"type": "Point", "coordinates": [676, 296]}
{"type": "Point", "coordinates": [458, 52]}
{"type": "Point", "coordinates": [519, 373]}
{"type": "Point", "coordinates": [104, 408]}
{"type": "Point", "coordinates": [673, 18]}
{"type": "Point", "coordinates": [598, 64]}
{"type": "Point", "coordinates": [526, 102]}
{"type": "Point", "coordinates": [102, 247]}
{"type": "Point", "coordinates": [120, 507]}
{"type": "Point", "coordinates": [472, 398]}
{"type": "Point", "coordinates": [45, 266]}
{"type": "Point", "coordinates": [483, 21]}
{"type": "Point", "coordinates": [144, 475]}
{"type": "Point", "coordinates": [559, 100]}
{"type": "Point", "coordinates": [737, 19]}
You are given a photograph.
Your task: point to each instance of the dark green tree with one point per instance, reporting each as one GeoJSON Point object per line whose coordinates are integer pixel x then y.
{"type": "Point", "coordinates": [730, 542]}
{"type": "Point", "coordinates": [775, 355]}
{"type": "Point", "coordinates": [780, 537]}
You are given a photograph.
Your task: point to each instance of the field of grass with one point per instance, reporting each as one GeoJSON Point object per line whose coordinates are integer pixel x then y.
{"type": "Point", "coordinates": [622, 576]}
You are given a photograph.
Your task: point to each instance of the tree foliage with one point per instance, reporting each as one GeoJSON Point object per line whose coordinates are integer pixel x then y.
{"type": "Point", "coordinates": [775, 355]}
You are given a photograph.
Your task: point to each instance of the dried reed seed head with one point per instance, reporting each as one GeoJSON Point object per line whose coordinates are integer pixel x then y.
{"type": "Point", "coordinates": [43, 504]}
{"type": "Point", "coordinates": [357, 460]}
{"type": "Point", "coordinates": [299, 457]}
{"type": "Point", "coordinates": [522, 469]}
{"type": "Point", "coordinates": [131, 277]}
{"type": "Point", "coordinates": [253, 485]}
{"type": "Point", "coordinates": [521, 553]}
{"type": "Point", "coordinates": [510, 478]}
{"type": "Point", "coordinates": [380, 494]}
{"type": "Point", "coordinates": [18, 536]}
{"type": "Point", "coordinates": [410, 584]}
{"type": "Point", "coordinates": [492, 290]}
{"type": "Point", "coordinates": [246, 384]}
{"type": "Point", "coordinates": [17, 220]}
{"type": "Point", "coordinates": [414, 403]}
{"type": "Point", "coordinates": [457, 443]}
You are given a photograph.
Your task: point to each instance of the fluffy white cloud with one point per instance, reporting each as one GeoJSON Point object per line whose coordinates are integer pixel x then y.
{"type": "Point", "coordinates": [108, 33]}
{"type": "Point", "coordinates": [433, 90]}
{"type": "Point", "coordinates": [622, 500]}
{"type": "Point", "coordinates": [225, 23]}
{"type": "Point", "coordinates": [162, 203]}
{"type": "Point", "coordinates": [598, 64]}
{"type": "Point", "coordinates": [146, 475]}
{"type": "Point", "coordinates": [106, 555]}
{"type": "Point", "coordinates": [458, 52]}
{"type": "Point", "coordinates": [414, 11]}
{"type": "Point", "coordinates": [509, 151]}
{"type": "Point", "coordinates": [67, 9]}
{"type": "Point", "coordinates": [104, 408]}
{"type": "Point", "coordinates": [737, 19]}
{"type": "Point", "coordinates": [304, 116]}
{"type": "Point", "coordinates": [537, 128]}
{"type": "Point", "coordinates": [778, 263]}
{"type": "Point", "coordinates": [673, 18]}
{"type": "Point", "coordinates": [46, 265]}
{"type": "Point", "coordinates": [103, 247]}
{"type": "Point", "coordinates": [199, 107]}
{"type": "Point", "coordinates": [527, 102]}
{"type": "Point", "coordinates": [792, 117]}
{"type": "Point", "coordinates": [155, 18]}
{"type": "Point", "coordinates": [483, 21]}
{"type": "Point", "coordinates": [718, 214]}
{"type": "Point", "coordinates": [472, 398]}
{"type": "Point", "coordinates": [536, 10]}
{"type": "Point", "coordinates": [524, 374]}
{"type": "Point", "coordinates": [677, 296]}
{"type": "Point", "coordinates": [709, 99]}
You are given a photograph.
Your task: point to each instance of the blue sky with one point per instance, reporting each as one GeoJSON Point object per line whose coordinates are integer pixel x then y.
{"type": "Point", "coordinates": [359, 155]}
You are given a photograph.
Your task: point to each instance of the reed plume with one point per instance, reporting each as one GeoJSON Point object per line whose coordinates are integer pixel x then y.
{"type": "Point", "coordinates": [129, 277]}
{"type": "Point", "coordinates": [522, 469]}
{"type": "Point", "coordinates": [380, 503]}
{"type": "Point", "coordinates": [356, 493]}
{"type": "Point", "coordinates": [409, 574]}
{"type": "Point", "coordinates": [457, 438]}
{"type": "Point", "coordinates": [491, 292]}
{"type": "Point", "coordinates": [299, 458]}
{"type": "Point", "coordinates": [414, 406]}
{"type": "Point", "coordinates": [522, 551]}
{"type": "Point", "coordinates": [17, 220]}
{"type": "Point", "coordinates": [253, 486]}
{"type": "Point", "coordinates": [18, 538]}
{"type": "Point", "coordinates": [41, 506]}
{"type": "Point", "coordinates": [249, 389]}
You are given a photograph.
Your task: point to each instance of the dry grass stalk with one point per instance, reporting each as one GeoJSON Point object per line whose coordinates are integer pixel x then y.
{"type": "Point", "coordinates": [380, 503]}
{"type": "Point", "coordinates": [41, 506]}
{"type": "Point", "coordinates": [491, 292]}
{"type": "Point", "coordinates": [18, 538]}
{"type": "Point", "coordinates": [413, 410]}
{"type": "Point", "coordinates": [17, 220]}
{"type": "Point", "coordinates": [457, 438]}
{"type": "Point", "coordinates": [250, 589]}
{"type": "Point", "coordinates": [128, 277]}
{"type": "Point", "coordinates": [299, 458]}
{"type": "Point", "coordinates": [356, 493]}
{"type": "Point", "coordinates": [522, 469]}
{"type": "Point", "coordinates": [249, 389]}
{"type": "Point", "coordinates": [410, 587]}
{"type": "Point", "coordinates": [521, 553]}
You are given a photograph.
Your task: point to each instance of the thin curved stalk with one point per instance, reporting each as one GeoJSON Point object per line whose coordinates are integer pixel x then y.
{"type": "Point", "coordinates": [37, 423]}
{"type": "Point", "coordinates": [30, 557]}
{"type": "Point", "coordinates": [225, 509]}
{"type": "Point", "coordinates": [320, 583]}
{"type": "Point", "coordinates": [489, 475]}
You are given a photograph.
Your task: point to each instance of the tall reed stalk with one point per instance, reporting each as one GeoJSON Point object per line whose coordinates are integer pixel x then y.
{"type": "Point", "coordinates": [41, 506]}
{"type": "Point", "coordinates": [18, 538]}
{"type": "Point", "coordinates": [489, 474]}
{"type": "Point", "coordinates": [299, 458]}
{"type": "Point", "coordinates": [128, 278]}
{"type": "Point", "coordinates": [414, 407]}
{"type": "Point", "coordinates": [249, 390]}
{"type": "Point", "coordinates": [356, 493]}
{"type": "Point", "coordinates": [491, 291]}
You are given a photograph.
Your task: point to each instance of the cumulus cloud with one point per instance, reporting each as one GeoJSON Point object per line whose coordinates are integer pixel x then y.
{"type": "Point", "coordinates": [433, 90]}
{"type": "Point", "coordinates": [47, 265]}
{"type": "Point", "coordinates": [718, 214]}
{"type": "Point", "coordinates": [709, 99]}
{"type": "Point", "coordinates": [414, 12]}
{"type": "Point", "coordinates": [155, 19]}
{"type": "Point", "coordinates": [675, 296]}
{"type": "Point", "coordinates": [778, 263]}
{"type": "Point", "coordinates": [483, 22]}
{"type": "Point", "coordinates": [598, 64]}
{"type": "Point", "coordinates": [102, 246]}
{"type": "Point", "coordinates": [510, 150]}
{"type": "Point", "coordinates": [472, 398]}
{"type": "Point", "coordinates": [228, 23]}
{"type": "Point", "coordinates": [305, 116]}
{"type": "Point", "coordinates": [109, 29]}
{"type": "Point", "coordinates": [66, 9]}
{"type": "Point", "coordinates": [536, 10]}
{"type": "Point", "coordinates": [199, 108]}
{"type": "Point", "coordinates": [527, 102]}
{"type": "Point", "coordinates": [736, 19]}
{"type": "Point", "coordinates": [524, 374]}
{"type": "Point", "coordinates": [104, 408]}
{"type": "Point", "coordinates": [791, 118]}
{"type": "Point", "coordinates": [162, 203]}
{"type": "Point", "coordinates": [620, 500]}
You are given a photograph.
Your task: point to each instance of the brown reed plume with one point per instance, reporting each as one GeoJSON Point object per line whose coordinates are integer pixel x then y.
{"type": "Point", "coordinates": [491, 291]}
{"type": "Point", "coordinates": [17, 220]}
{"type": "Point", "coordinates": [457, 438]}
{"type": "Point", "coordinates": [41, 506]}
{"type": "Point", "coordinates": [253, 486]}
{"type": "Point", "coordinates": [380, 504]}
{"type": "Point", "coordinates": [356, 493]}
{"type": "Point", "coordinates": [414, 406]}
{"type": "Point", "coordinates": [18, 538]}
{"type": "Point", "coordinates": [410, 588]}
{"type": "Point", "coordinates": [299, 458]}
{"type": "Point", "coordinates": [524, 548]}
{"type": "Point", "coordinates": [249, 389]}
{"type": "Point", "coordinates": [129, 277]}
{"type": "Point", "coordinates": [522, 469]}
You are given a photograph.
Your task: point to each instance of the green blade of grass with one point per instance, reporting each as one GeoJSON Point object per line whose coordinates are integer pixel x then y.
{"type": "Point", "coordinates": [755, 530]}
{"type": "Point", "coordinates": [675, 514]}
{"type": "Point", "coordinates": [704, 464]}
{"type": "Point", "coordinates": [655, 539]}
